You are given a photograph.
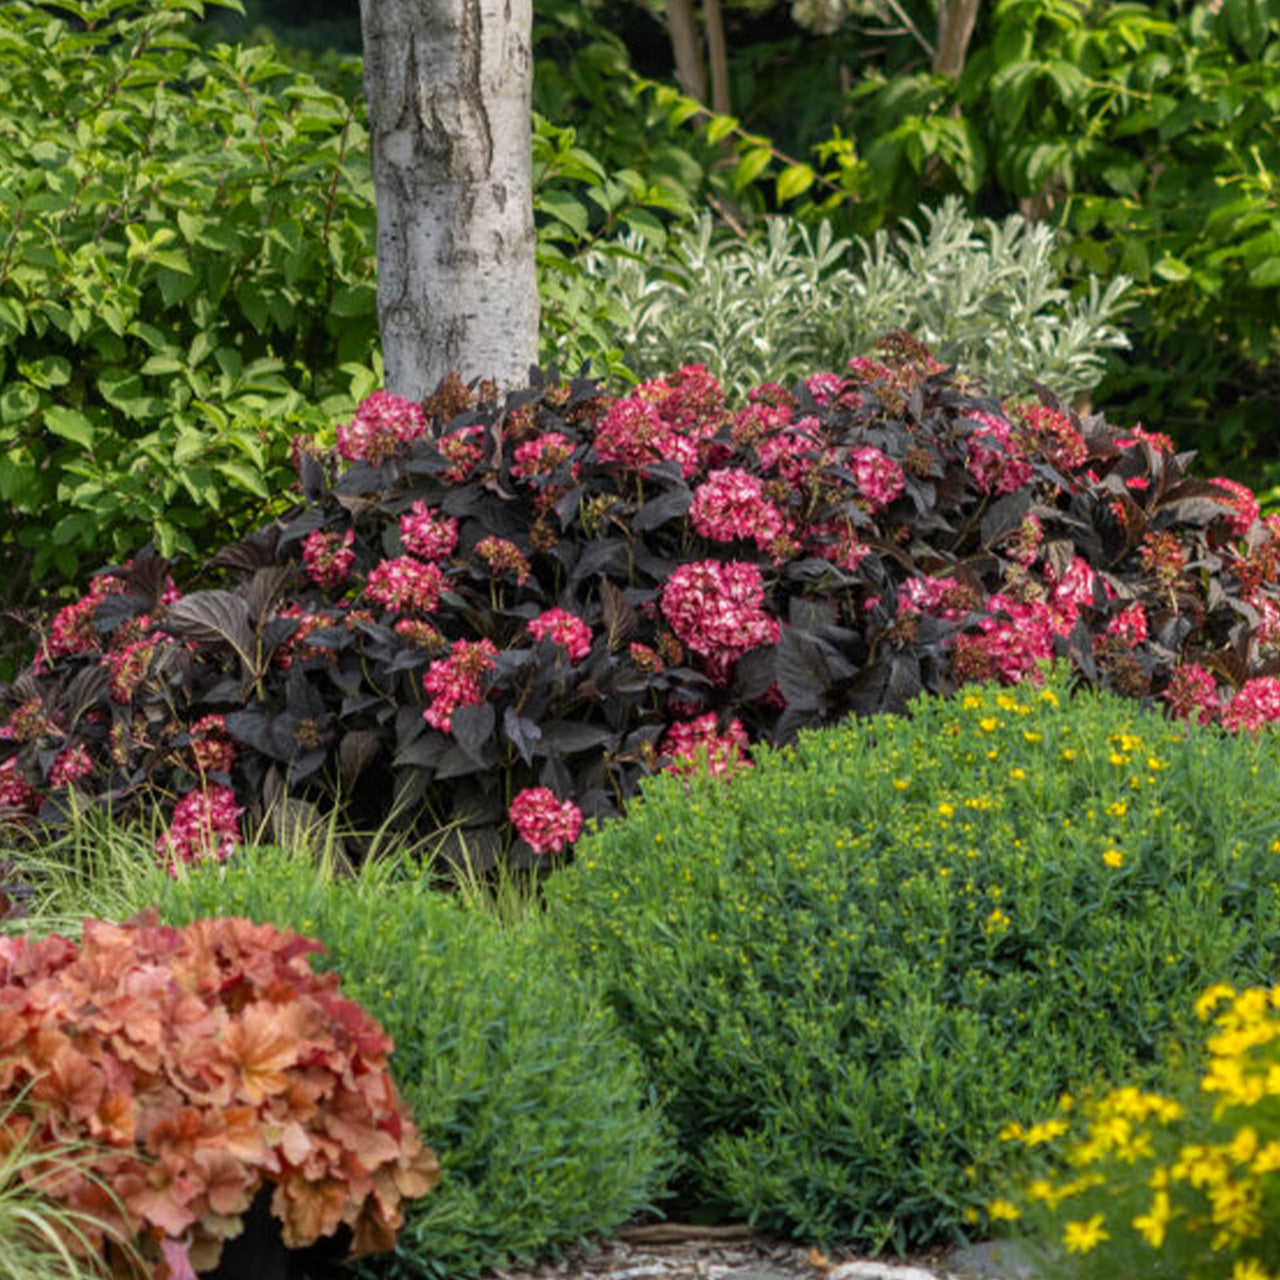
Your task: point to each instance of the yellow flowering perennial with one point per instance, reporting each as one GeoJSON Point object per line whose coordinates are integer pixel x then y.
{"type": "Point", "coordinates": [1164, 1176]}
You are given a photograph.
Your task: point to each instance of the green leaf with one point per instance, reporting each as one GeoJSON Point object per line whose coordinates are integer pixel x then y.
{"type": "Point", "coordinates": [647, 226]}
{"type": "Point", "coordinates": [750, 167]}
{"type": "Point", "coordinates": [18, 400]}
{"type": "Point", "coordinates": [247, 477]}
{"type": "Point", "coordinates": [565, 208]}
{"type": "Point", "coordinates": [793, 181]}
{"type": "Point", "coordinates": [1266, 275]}
{"type": "Point", "coordinates": [70, 425]}
{"type": "Point", "coordinates": [721, 127]}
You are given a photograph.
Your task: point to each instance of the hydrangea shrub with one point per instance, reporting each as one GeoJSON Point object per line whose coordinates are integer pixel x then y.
{"type": "Point", "coordinates": [564, 591]}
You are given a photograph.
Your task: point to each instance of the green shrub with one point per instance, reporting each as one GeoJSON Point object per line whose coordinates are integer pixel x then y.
{"type": "Point", "coordinates": [848, 967]}
{"type": "Point", "coordinates": [516, 1074]}
{"type": "Point", "coordinates": [186, 281]}
{"type": "Point", "coordinates": [985, 295]}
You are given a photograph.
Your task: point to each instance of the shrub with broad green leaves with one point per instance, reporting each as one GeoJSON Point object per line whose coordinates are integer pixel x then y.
{"type": "Point", "coordinates": [849, 966]}
{"type": "Point", "coordinates": [186, 281]}
{"type": "Point", "coordinates": [517, 1075]}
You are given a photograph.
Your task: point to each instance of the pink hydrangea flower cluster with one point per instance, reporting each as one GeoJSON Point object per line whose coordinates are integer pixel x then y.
{"type": "Point", "coordinates": [72, 764]}
{"type": "Point", "coordinates": [427, 533]}
{"type": "Point", "coordinates": [419, 633]}
{"type": "Point", "coordinates": [825, 388]}
{"type": "Point", "coordinates": [545, 823]}
{"type": "Point", "coordinates": [1158, 441]}
{"type": "Point", "coordinates": [1192, 691]}
{"type": "Point", "coordinates": [1240, 500]}
{"type": "Point", "coordinates": [717, 607]}
{"type": "Point", "coordinates": [565, 629]}
{"type": "Point", "coordinates": [695, 744]}
{"type": "Point", "coordinates": [405, 585]}
{"type": "Point", "coordinates": [543, 456]}
{"type": "Point", "coordinates": [205, 823]}
{"type": "Point", "coordinates": [328, 557]}
{"type": "Point", "coordinates": [463, 448]}
{"type": "Point", "coordinates": [128, 668]}
{"type": "Point", "coordinates": [1053, 431]}
{"type": "Point", "coordinates": [794, 450]}
{"type": "Point", "coordinates": [71, 630]}
{"type": "Point", "coordinates": [635, 436]}
{"type": "Point", "coordinates": [879, 478]}
{"type": "Point", "coordinates": [690, 401]}
{"type": "Point", "coordinates": [455, 681]}
{"type": "Point", "coordinates": [503, 556]}
{"type": "Point", "coordinates": [1073, 592]}
{"type": "Point", "coordinates": [946, 598]}
{"type": "Point", "coordinates": [994, 461]}
{"type": "Point", "coordinates": [1257, 702]}
{"type": "Point", "coordinates": [383, 422]}
{"type": "Point", "coordinates": [211, 750]}
{"type": "Point", "coordinates": [730, 504]}
{"type": "Point", "coordinates": [1010, 643]}
{"type": "Point", "coordinates": [17, 797]}
{"type": "Point", "coordinates": [1129, 625]}
{"type": "Point", "coordinates": [835, 540]}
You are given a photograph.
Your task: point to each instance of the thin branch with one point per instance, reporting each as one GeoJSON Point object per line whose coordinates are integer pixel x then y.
{"type": "Point", "coordinates": [905, 18]}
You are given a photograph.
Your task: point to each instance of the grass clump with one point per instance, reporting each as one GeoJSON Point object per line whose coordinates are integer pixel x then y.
{"type": "Point", "coordinates": [517, 1075]}
{"type": "Point", "coordinates": [849, 967]}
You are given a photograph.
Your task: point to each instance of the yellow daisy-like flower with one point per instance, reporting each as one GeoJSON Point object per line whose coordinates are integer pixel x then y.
{"type": "Point", "coordinates": [1048, 695]}
{"type": "Point", "coordinates": [1113, 858]}
{"type": "Point", "coordinates": [1151, 1225]}
{"type": "Point", "coordinates": [1249, 1269]}
{"type": "Point", "coordinates": [1045, 1131]}
{"type": "Point", "coordinates": [1003, 1211]}
{"type": "Point", "coordinates": [1081, 1237]}
{"type": "Point", "coordinates": [1211, 998]}
{"type": "Point", "coordinates": [989, 724]}
{"type": "Point", "coordinates": [946, 809]}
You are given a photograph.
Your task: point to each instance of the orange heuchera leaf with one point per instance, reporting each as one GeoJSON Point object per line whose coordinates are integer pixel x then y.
{"type": "Point", "coordinates": [309, 1210]}
{"type": "Point", "coordinates": [262, 1043]}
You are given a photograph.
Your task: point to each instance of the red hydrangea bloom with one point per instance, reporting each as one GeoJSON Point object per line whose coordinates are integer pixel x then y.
{"type": "Point", "coordinates": [543, 456]}
{"type": "Point", "coordinates": [71, 765]}
{"type": "Point", "coordinates": [1052, 431]}
{"type": "Point", "coordinates": [128, 667]}
{"type": "Point", "coordinates": [427, 533]}
{"type": "Point", "coordinates": [565, 629]}
{"type": "Point", "coordinates": [690, 400]}
{"type": "Point", "coordinates": [423, 634]}
{"type": "Point", "coordinates": [945, 598]}
{"type": "Point", "coordinates": [543, 822]}
{"type": "Point", "coordinates": [296, 645]}
{"type": "Point", "coordinates": [405, 585]}
{"type": "Point", "coordinates": [994, 461]}
{"type": "Point", "coordinates": [758, 422]}
{"type": "Point", "coordinates": [836, 540]}
{"type": "Point", "coordinates": [205, 823]}
{"type": "Point", "coordinates": [865, 370]}
{"type": "Point", "coordinates": [635, 435]}
{"type": "Point", "coordinates": [1239, 499]}
{"type": "Point", "coordinates": [716, 607]}
{"type": "Point", "coordinates": [1010, 644]}
{"type": "Point", "coordinates": [825, 388]}
{"type": "Point", "coordinates": [1163, 555]}
{"type": "Point", "coordinates": [211, 750]}
{"type": "Point", "coordinates": [503, 557]}
{"type": "Point", "coordinates": [1129, 626]}
{"type": "Point", "coordinates": [793, 451]}
{"type": "Point", "coordinates": [1160, 442]}
{"type": "Point", "coordinates": [696, 744]}
{"type": "Point", "coordinates": [730, 504]}
{"type": "Point", "coordinates": [463, 448]}
{"type": "Point", "coordinates": [454, 681]}
{"type": "Point", "coordinates": [1256, 703]}
{"type": "Point", "coordinates": [1074, 591]}
{"type": "Point", "coordinates": [645, 658]}
{"type": "Point", "coordinates": [1193, 691]}
{"type": "Point", "coordinates": [879, 478]}
{"type": "Point", "coordinates": [328, 557]}
{"type": "Point", "coordinates": [382, 423]}
{"type": "Point", "coordinates": [17, 796]}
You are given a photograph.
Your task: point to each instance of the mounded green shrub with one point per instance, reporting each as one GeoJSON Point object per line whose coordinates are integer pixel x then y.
{"type": "Point", "coordinates": [849, 966]}
{"type": "Point", "coordinates": [516, 1074]}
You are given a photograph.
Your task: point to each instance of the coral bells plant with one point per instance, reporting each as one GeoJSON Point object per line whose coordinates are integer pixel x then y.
{"type": "Point", "coordinates": [478, 596]}
{"type": "Point", "coordinates": [204, 1064]}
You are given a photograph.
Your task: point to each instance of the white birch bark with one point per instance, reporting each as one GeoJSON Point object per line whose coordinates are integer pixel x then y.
{"type": "Point", "coordinates": [449, 86]}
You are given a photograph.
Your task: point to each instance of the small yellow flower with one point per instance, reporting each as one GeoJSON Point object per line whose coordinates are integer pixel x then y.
{"type": "Point", "coordinates": [1032, 737]}
{"type": "Point", "coordinates": [1113, 858]}
{"type": "Point", "coordinates": [1211, 998]}
{"type": "Point", "coordinates": [1118, 809]}
{"type": "Point", "coordinates": [972, 703]}
{"type": "Point", "coordinates": [988, 724]}
{"type": "Point", "coordinates": [997, 922]}
{"type": "Point", "coordinates": [1151, 1225]}
{"type": "Point", "coordinates": [901, 784]}
{"type": "Point", "coordinates": [1044, 1132]}
{"type": "Point", "coordinates": [1274, 847]}
{"type": "Point", "coordinates": [1081, 1237]}
{"type": "Point", "coordinates": [1003, 1211]}
{"type": "Point", "coordinates": [1068, 754]}
{"type": "Point", "coordinates": [1018, 775]}
{"type": "Point", "coordinates": [946, 809]}
{"type": "Point", "coordinates": [1048, 695]}
{"type": "Point", "coordinates": [1249, 1269]}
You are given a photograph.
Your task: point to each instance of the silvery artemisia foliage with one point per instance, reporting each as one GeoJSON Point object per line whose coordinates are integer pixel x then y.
{"type": "Point", "coordinates": [823, 17]}
{"type": "Point", "coordinates": [984, 295]}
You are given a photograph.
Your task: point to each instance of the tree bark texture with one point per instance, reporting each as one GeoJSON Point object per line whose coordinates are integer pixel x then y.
{"type": "Point", "coordinates": [682, 27]}
{"type": "Point", "coordinates": [955, 30]}
{"type": "Point", "coordinates": [449, 87]}
{"type": "Point", "coordinates": [718, 56]}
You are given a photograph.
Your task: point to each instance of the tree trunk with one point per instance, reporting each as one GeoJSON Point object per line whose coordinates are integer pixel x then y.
{"type": "Point", "coordinates": [718, 56]}
{"type": "Point", "coordinates": [955, 30]}
{"type": "Point", "coordinates": [449, 85]}
{"type": "Point", "coordinates": [682, 26]}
